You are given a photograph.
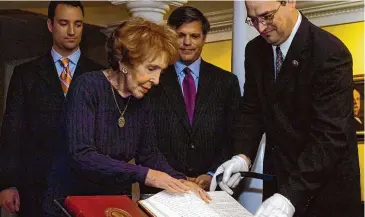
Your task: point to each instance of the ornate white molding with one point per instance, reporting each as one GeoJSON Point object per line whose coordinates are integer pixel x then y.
{"type": "Point", "coordinates": [176, 3]}
{"type": "Point", "coordinates": [333, 8]}
{"type": "Point", "coordinates": [220, 25]}
{"type": "Point", "coordinates": [219, 36]}
{"type": "Point", "coordinates": [324, 14]}
{"type": "Point", "coordinates": [335, 13]}
{"type": "Point", "coordinates": [319, 13]}
{"type": "Point", "coordinates": [150, 9]}
{"type": "Point", "coordinates": [220, 20]}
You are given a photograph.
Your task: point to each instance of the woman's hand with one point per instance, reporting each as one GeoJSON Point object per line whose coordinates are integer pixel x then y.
{"type": "Point", "coordinates": [197, 190]}
{"type": "Point", "coordinates": [204, 181]}
{"type": "Point", "coordinates": [161, 180]}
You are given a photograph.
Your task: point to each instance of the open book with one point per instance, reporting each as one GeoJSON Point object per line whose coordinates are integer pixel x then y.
{"type": "Point", "coordinates": [165, 204]}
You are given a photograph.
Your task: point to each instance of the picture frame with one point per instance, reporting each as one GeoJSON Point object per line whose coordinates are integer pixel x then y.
{"type": "Point", "coordinates": [358, 94]}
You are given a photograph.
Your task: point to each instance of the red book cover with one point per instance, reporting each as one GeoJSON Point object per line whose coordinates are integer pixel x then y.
{"type": "Point", "coordinates": [102, 206]}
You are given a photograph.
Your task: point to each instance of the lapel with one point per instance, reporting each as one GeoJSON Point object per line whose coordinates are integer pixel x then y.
{"type": "Point", "coordinates": [48, 72]}
{"type": "Point", "coordinates": [294, 60]}
{"type": "Point", "coordinates": [80, 67]}
{"type": "Point", "coordinates": [268, 67]}
{"type": "Point", "coordinates": [203, 94]}
{"type": "Point", "coordinates": [170, 84]}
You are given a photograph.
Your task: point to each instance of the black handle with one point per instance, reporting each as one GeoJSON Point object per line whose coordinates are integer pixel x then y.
{"type": "Point", "coordinates": [265, 177]}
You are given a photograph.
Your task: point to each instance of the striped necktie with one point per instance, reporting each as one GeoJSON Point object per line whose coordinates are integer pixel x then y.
{"type": "Point", "coordinates": [65, 76]}
{"type": "Point", "coordinates": [189, 93]}
{"type": "Point", "coordinates": [279, 61]}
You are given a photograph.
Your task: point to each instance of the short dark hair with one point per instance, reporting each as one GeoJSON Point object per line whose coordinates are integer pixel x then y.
{"type": "Point", "coordinates": [187, 14]}
{"type": "Point", "coordinates": [53, 5]}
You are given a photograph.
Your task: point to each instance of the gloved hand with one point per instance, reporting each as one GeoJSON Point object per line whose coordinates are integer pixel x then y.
{"type": "Point", "coordinates": [236, 164]}
{"type": "Point", "coordinates": [276, 206]}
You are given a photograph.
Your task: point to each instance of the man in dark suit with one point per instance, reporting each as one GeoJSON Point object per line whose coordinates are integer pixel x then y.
{"type": "Point", "coordinates": [194, 104]}
{"type": "Point", "coordinates": [298, 91]}
{"type": "Point", "coordinates": [31, 135]}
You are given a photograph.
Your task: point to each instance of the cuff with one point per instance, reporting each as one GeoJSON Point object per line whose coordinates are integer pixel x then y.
{"type": "Point", "coordinates": [142, 174]}
{"type": "Point", "coordinates": [210, 173]}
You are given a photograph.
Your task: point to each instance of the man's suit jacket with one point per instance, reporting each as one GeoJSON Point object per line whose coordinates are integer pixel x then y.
{"type": "Point", "coordinates": [31, 134]}
{"type": "Point", "coordinates": [202, 147]}
{"type": "Point", "coordinates": [359, 123]}
{"type": "Point", "coordinates": [308, 120]}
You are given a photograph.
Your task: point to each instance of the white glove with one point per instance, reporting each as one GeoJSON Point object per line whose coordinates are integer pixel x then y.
{"type": "Point", "coordinates": [236, 164]}
{"type": "Point", "coordinates": [276, 206]}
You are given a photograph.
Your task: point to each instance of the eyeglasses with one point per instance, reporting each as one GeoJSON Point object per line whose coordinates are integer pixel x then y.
{"type": "Point", "coordinates": [265, 20]}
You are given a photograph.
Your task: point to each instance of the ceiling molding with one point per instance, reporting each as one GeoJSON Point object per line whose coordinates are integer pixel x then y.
{"type": "Point", "coordinates": [175, 3]}
{"type": "Point", "coordinates": [335, 13]}
{"type": "Point", "coordinates": [323, 14]}
{"type": "Point", "coordinates": [320, 13]}
{"type": "Point", "coordinates": [333, 8]}
{"type": "Point", "coordinates": [220, 21]}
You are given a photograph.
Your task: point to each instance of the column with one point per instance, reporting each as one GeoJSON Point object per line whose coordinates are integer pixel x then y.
{"type": "Point", "coordinates": [150, 9]}
{"type": "Point", "coordinates": [251, 197]}
{"type": "Point", "coordinates": [242, 34]}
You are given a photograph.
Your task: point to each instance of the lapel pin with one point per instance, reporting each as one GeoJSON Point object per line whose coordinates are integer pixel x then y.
{"type": "Point", "coordinates": [295, 63]}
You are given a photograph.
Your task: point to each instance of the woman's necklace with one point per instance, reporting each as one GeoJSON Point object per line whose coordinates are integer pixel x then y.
{"type": "Point", "coordinates": [121, 119]}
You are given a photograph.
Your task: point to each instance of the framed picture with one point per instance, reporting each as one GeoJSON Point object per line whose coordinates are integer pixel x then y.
{"type": "Point", "coordinates": [358, 93]}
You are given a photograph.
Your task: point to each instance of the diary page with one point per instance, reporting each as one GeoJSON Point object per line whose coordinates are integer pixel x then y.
{"type": "Point", "coordinates": [165, 204]}
{"type": "Point", "coordinates": [227, 206]}
{"type": "Point", "coordinates": [179, 205]}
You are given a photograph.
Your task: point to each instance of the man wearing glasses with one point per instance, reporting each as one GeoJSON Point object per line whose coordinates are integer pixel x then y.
{"type": "Point", "coordinates": [298, 91]}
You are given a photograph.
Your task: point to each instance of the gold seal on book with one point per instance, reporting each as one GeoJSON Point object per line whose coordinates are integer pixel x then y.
{"type": "Point", "coordinates": [116, 212]}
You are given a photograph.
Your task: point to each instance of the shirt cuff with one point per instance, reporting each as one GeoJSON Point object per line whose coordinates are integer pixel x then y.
{"type": "Point", "coordinates": [210, 173]}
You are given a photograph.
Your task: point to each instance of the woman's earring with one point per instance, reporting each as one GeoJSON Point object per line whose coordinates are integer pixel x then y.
{"type": "Point", "coordinates": [124, 70]}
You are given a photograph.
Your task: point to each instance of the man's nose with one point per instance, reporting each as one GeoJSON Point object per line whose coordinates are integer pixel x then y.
{"type": "Point", "coordinates": [187, 40]}
{"type": "Point", "coordinates": [71, 30]}
{"type": "Point", "coordinates": [261, 27]}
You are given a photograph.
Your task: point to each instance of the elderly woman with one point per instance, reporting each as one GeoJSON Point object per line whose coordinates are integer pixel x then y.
{"type": "Point", "coordinates": [108, 123]}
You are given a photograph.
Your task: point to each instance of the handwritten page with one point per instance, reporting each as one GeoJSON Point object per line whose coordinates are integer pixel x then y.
{"type": "Point", "coordinates": [226, 206]}
{"type": "Point", "coordinates": [222, 204]}
{"type": "Point", "coordinates": [182, 205]}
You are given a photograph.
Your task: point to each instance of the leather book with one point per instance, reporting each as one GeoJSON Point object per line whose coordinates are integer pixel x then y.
{"type": "Point", "coordinates": [102, 206]}
{"type": "Point", "coordinates": [164, 204]}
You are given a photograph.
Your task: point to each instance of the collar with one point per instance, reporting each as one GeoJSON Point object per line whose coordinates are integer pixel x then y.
{"type": "Point", "coordinates": [194, 67]}
{"type": "Point", "coordinates": [284, 47]}
{"type": "Point", "coordinates": [74, 58]}
{"type": "Point", "coordinates": [358, 120]}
